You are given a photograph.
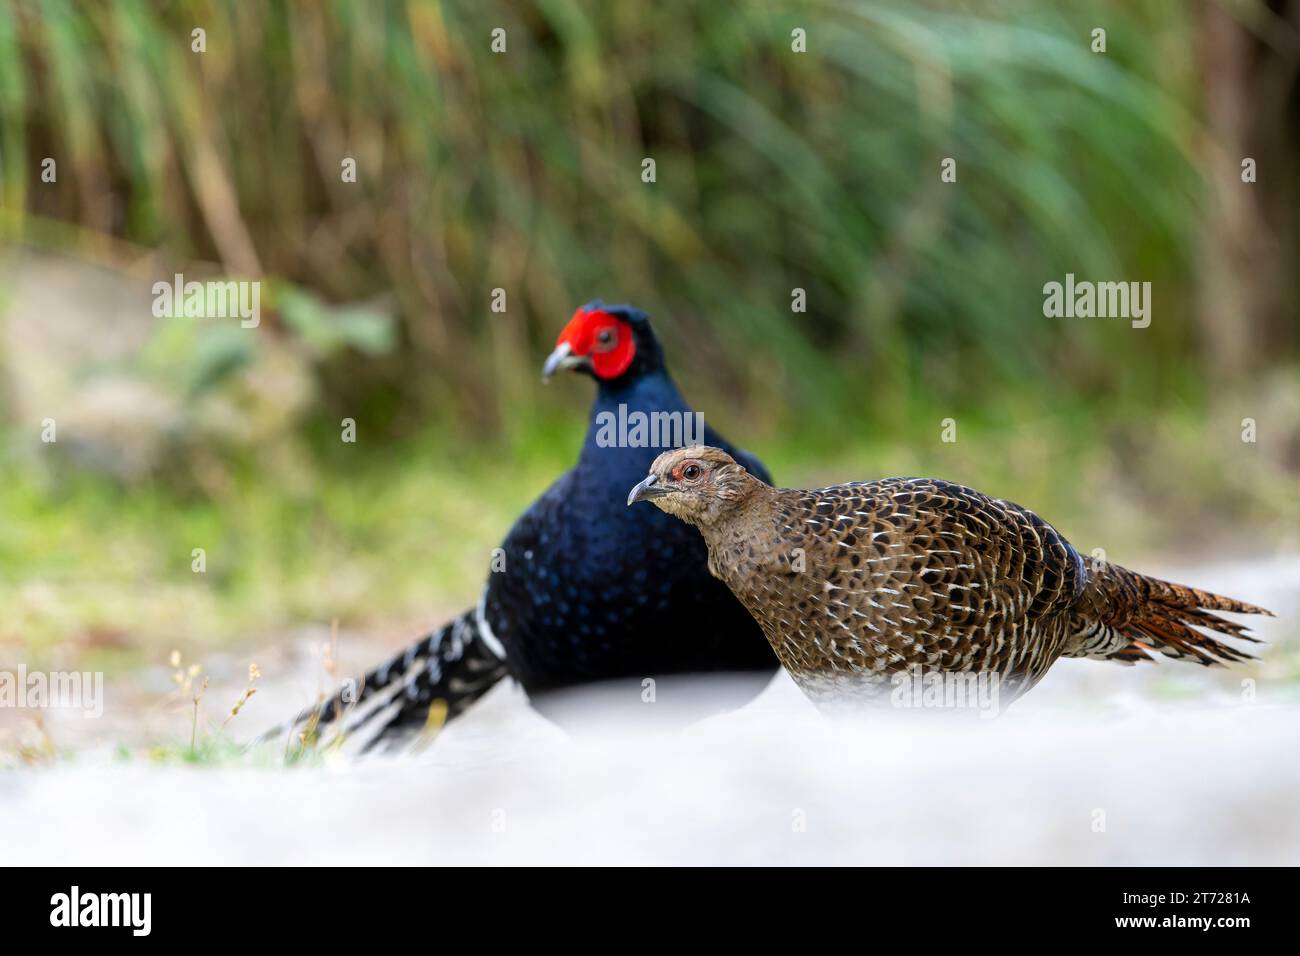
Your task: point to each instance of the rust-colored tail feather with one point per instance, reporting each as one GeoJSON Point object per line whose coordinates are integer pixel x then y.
{"type": "Point", "coordinates": [1160, 616]}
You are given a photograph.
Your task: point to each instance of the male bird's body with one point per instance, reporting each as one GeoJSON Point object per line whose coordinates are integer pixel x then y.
{"type": "Point", "coordinates": [858, 583]}
{"type": "Point", "coordinates": [596, 591]}
{"type": "Point", "coordinates": [584, 590]}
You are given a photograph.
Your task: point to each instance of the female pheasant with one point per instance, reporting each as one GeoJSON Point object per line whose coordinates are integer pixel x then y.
{"type": "Point", "coordinates": [859, 585]}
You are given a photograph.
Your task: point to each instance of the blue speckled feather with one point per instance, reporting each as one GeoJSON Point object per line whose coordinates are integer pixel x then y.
{"type": "Point", "coordinates": [592, 590]}
{"type": "Point", "coordinates": [596, 590]}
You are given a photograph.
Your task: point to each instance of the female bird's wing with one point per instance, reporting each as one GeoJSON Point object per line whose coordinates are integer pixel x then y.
{"type": "Point", "coordinates": [906, 572]}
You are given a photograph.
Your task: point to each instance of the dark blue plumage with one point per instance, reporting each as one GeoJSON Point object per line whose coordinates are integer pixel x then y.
{"type": "Point", "coordinates": [591, 590]}
{"type": "Point", "coordinates": [595, 590]}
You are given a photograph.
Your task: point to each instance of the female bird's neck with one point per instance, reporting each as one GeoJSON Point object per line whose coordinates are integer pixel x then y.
{"type": "Point", "coordinates": [744, 543]}
{"type": "Point", "coordinates": [730, 527]}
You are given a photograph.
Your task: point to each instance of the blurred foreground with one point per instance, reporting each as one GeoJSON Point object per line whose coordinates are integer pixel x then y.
{"type": "Point", "coordinates": [1163, 764]}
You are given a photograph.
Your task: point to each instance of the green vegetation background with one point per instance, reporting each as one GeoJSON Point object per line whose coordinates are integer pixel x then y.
{"type": "Point", "coordinates": [776, 170]}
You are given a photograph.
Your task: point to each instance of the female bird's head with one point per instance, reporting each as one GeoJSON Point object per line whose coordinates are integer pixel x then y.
{"type": "Point", "coordinates": [612, 343]}
{"type": "Point", "coordinates": [699, 484]}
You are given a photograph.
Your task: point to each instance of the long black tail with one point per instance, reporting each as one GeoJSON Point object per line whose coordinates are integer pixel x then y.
{"type": "Point", "coordinates": [431, 682]}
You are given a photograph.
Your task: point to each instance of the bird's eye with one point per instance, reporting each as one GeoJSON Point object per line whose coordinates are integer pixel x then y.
{"type": "Point", "coordinates": [691, 472]}
{"type": "Point", "coordinates": [605, 338]}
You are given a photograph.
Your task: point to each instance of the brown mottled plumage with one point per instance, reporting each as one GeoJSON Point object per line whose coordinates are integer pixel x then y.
{"type": "Point", "coordinates": [854, 583]}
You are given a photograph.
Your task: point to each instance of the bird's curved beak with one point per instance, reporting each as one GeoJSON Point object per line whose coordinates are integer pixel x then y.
{"type": "Point", "coordinates": [561, 358]}
{"type": "Point", "coordinates": [649, 487]}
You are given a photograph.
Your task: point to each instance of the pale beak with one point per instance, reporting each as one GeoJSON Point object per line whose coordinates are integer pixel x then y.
{"type": "Point", "coordinates": [561, 358]}
{"type": "Point", "coordinates": [648, 488]}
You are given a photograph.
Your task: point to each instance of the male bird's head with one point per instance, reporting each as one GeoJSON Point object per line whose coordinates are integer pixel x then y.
{"type": "Point", "coordinates": [699, 484]}
{"type": "Point", "coordinates": [612, 343]}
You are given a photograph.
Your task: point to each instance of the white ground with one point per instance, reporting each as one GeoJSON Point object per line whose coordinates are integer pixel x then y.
{"type": "Point", "coordinates": [1165, 764]}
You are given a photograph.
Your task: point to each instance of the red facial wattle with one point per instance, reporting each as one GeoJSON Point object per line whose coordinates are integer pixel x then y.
{"type": "Point", "coordinates": [605, 340]}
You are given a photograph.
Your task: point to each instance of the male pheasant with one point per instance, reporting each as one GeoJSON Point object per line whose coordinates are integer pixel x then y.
{"type": "Point", "coordinates": [861, 586]}
{"type": "Point", "coordinates": [584, 590]}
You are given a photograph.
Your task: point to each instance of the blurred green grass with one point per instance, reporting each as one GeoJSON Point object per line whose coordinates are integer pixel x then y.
{"type": "Point", "coordinates": [521, 171]}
